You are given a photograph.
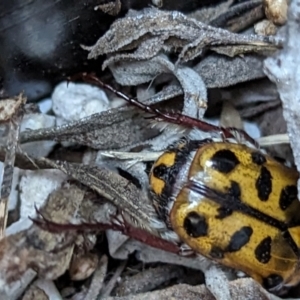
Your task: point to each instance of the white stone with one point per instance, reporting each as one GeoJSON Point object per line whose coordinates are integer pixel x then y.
{"type": "Point", "coordinates": [35, 187]}
{"type": "Point", "coordinates": [73, 101]}
{"type": "Point", "coordinates": [37, 121]}
{"type": "Point", "coordinates": [45, 105]}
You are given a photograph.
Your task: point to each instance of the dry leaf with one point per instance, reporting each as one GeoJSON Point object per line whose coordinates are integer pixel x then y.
{"type": "Point", "coordinates": [151, 31]}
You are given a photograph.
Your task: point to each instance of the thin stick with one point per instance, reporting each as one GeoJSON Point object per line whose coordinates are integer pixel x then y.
{"type": "Point", "coordinates": [11, 112]}
{"type": "Point", "coordinates": [276, 139]}
{"type": "Point", "coordinates": [112, 282]}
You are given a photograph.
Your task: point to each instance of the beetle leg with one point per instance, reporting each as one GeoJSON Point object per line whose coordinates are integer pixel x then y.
{"type": "Point", "coordinates": [170, 117]}
{"type": "Point", "coordinates": [125, 228]}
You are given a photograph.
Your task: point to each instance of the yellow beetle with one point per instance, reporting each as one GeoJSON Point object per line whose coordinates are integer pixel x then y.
{"type": "Point", "coordinates": [234, 204]}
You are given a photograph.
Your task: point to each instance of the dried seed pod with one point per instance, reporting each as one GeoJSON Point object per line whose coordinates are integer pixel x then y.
{"type": "Point", "coordinates": [83, 266]}
{"type": "Point", "coordinates": [276, 11]}
{"type": "Point", "coordinates": [265, 27]}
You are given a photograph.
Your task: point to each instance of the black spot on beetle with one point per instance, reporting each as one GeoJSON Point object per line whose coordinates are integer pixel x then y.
{"type": "Point", "coordinates": [160, 171]}
{"type": "Point", "coordinates": [287, 196]}
{"type": "Point", "coordinates": [195, 225]}
{"type": "Point", "coordinates": [272, 281]}
{"type": "Point", "coordinates": [263, 250]}
{"type": "Point", "coordinates": [264, 184]}
{"type": "Point", "coordinates": [224, 161]}
{"type": "Point", "coordinates": [216, 253]}
{"type": "Point", "coordinates": [223, 212]}
{"type": "Point", "coordinates": [258, 158]}
{"type": "Point", "coordinates": [239, 239]}
{"type": "Point", "coordinates": [235, 190]}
